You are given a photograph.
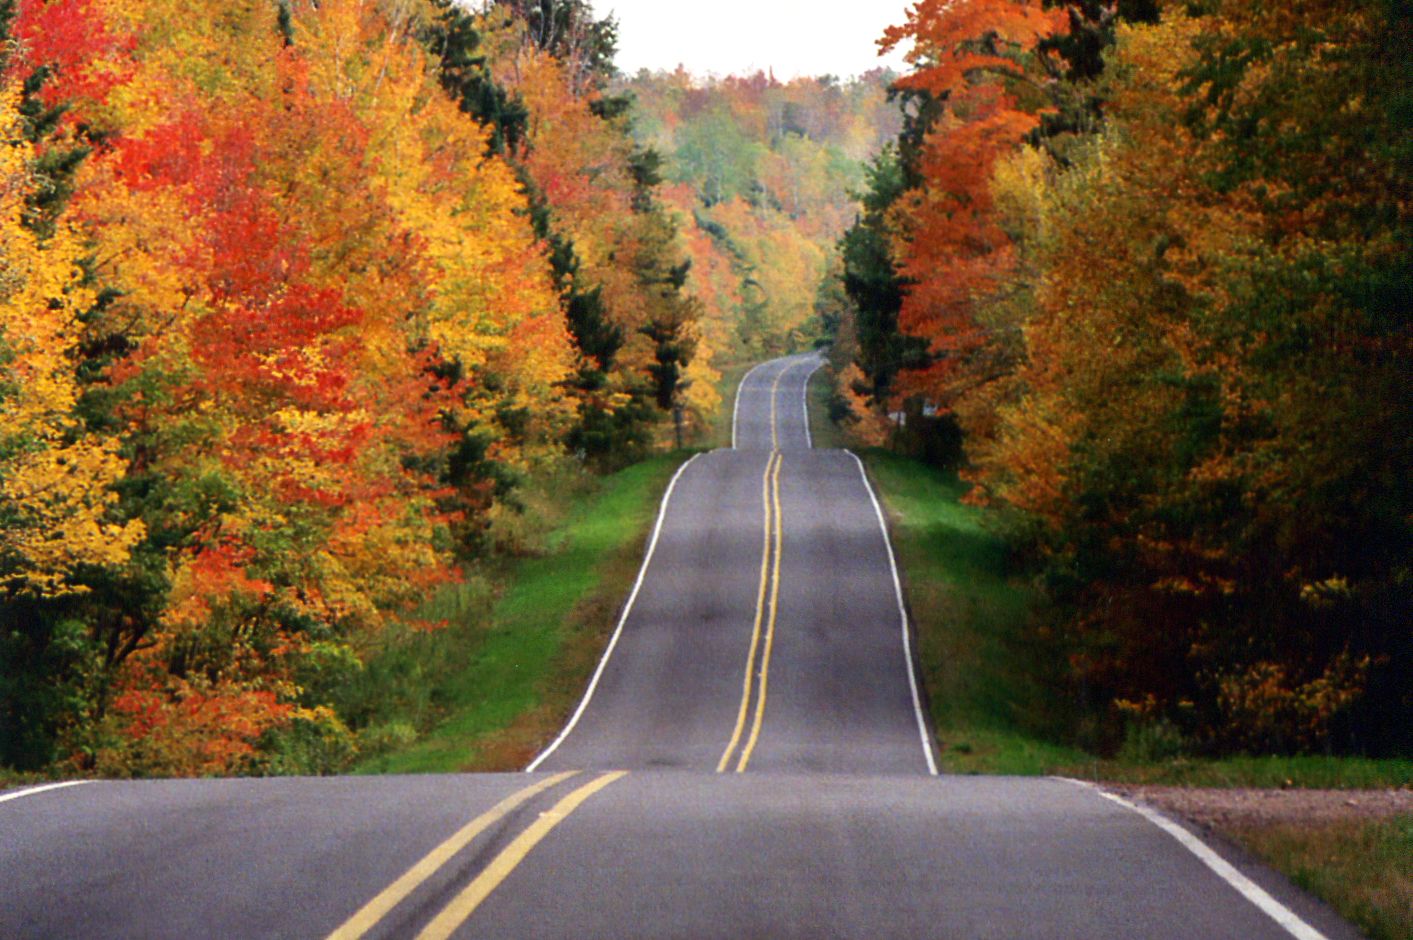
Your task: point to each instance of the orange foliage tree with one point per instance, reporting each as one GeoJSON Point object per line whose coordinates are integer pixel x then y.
{"type": "Point", "coordinates": [294, 294]}
{"type": "Point", "coordinates": [977, 62]}
{"type": "Point", "coordinates": [617, 252]}
{"type": "Point", "coordinates": [281, 327]}
{"type": "Point", "coordinates": [1194, 414]}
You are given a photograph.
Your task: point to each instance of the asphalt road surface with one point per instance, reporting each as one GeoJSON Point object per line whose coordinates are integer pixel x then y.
{"type": "Point", "coordinates": [749, 761]}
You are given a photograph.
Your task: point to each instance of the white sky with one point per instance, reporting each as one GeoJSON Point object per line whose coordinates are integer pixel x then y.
{"type": "Point", "coordinates": [733, 37]}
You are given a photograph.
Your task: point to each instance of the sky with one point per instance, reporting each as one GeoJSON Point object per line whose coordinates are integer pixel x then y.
{"type": "Point", "coordinates": [726, 37]}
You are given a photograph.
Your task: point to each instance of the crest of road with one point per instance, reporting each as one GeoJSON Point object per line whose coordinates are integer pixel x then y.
{"type": "Point", "coordinates": [749, 760]}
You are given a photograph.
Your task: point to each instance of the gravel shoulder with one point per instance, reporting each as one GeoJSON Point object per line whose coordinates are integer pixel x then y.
{"type": "Point", "coordinates": [1239, 808]}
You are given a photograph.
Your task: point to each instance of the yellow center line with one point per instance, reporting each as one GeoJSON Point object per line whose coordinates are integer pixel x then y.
{"type": "Point", "coordinates": [769, 585]}
{"type": "Point", "coordinates": [375, 910]}
{"type": "Point", "coordinates": [465, 903]}
{"type": "Point", "coordinates": [770, 626]}
{"type": "Point", "coordinates": [760, 615]}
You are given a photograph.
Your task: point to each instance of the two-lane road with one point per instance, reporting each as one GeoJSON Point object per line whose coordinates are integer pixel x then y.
{"type": "Point", "coordinates": [767, 632]}
{"type": "Point", "coordinates": [749, 761]}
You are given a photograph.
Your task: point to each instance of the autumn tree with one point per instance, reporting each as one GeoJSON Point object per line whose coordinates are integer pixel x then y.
{"type": "Point", "coordinates": [761, 171]}
{"type": "Point", "coordinates": [615, 252]}
{"type": "Point", "coordinates": [58, 523]}
{"type": "Point", "coordinates": [977, 61]}
{"type": "Point", "coordinates": [295, 332]}
{"type": "Point", "coordinates": [1201, 434]}
{"type": "Point", "coordinates": [452, 38]}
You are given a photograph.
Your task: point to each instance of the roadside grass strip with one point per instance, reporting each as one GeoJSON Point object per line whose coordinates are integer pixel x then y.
{"type": "Point", "coordinates": [981, 689]}
{"type": "Point", "coordinates": [824, 432]}
{"type": "Point", "coordinates": [521, 667]}
{"type": "Point", "coordinates": [1305, 771]}
{"type": "Point", "coordinates": [623, 618]}
{"type": "Point", "coordinates": [1362, 867]}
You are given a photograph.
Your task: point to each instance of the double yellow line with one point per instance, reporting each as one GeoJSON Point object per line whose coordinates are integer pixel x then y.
{"type": "Point", "coordinates": [461, 907]}
{"type": "Point", "coordinates": [767, 606]}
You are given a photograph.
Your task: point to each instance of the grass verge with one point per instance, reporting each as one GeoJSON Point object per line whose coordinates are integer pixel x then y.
{"type": "Point", "coordinates": [1362, 868]}
{"type": "Point", "coordinates": [995, 695]}
{"type": "Point", "coordinates": [526, 668]}
{"type": "Point", "coordinates": [718, 434]}
{"type": "Point", "coordinates": [985, 688]}
{"type": "Point", "coordinates": [1304, 771]}
{"type": "Point", "coordinates": [993, 691]}
{"type": "Point", "coordinates": [825, 433]}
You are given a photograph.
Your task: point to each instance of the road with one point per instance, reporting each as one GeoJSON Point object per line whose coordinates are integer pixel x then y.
{"type": "Point", "coordinates": [749, 761]}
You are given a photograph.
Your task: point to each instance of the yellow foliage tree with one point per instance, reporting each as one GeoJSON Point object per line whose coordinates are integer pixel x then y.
{"type": "Point", "coordinates": [55, 479]}
{"type": "Point", "coordinates": [491, 306]}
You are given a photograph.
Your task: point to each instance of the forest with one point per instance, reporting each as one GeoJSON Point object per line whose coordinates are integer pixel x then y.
{"type": "Point", "coordinates": [761, 176]}
{"type": "Point", "coordinates": [1141, 270]}
{"type": "Point", "coordinates": [299, 297]}
{"type": "Point", "coordinates": [296, 295]}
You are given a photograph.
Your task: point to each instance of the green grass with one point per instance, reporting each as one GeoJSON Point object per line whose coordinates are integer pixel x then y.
{"type": "Point", "coordinates": [826, 434]}
{"type": "Point", "coordinates": [986, 690]}
{"type": "Point", "coordinates": [994, 690]}
{"type": "Point", "coordinates": [528, 664]}
{"type": "Point", "coordinates": [719, 433]}
{"type": "Point", "coordinates": [1363, 869]}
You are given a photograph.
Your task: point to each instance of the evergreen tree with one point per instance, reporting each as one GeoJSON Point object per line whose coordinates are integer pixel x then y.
{"type": "Point", "coordinates": [455, 41]}
{"type": "Point", "coordinates": [872, 282]}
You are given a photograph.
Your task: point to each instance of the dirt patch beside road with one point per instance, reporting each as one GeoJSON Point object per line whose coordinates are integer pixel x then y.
{"type": "Point", "coordinates": [1242, 807]}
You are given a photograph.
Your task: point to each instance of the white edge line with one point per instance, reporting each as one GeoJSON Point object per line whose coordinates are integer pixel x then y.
{"type": "Point", "coordinates": [736, 408]}
{"type": "Point", "coordinates": [618, 631]}
{"type": "Point", "coordinates": [1248, 889]}
{"type": "Point", "coordinates": [31, 791]}
{"type": "Point", "coordinates": [805, 403]}
{"type": "Point", "coordinates": [903, 616]}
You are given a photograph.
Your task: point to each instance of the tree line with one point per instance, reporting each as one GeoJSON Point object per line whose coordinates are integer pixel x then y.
{"type": "Point", "coordinates": [1148, 262]}
{"type": "Point", "coordinates": [760, 175]}
{"type": "Point", "coordinates": [293, 297]}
